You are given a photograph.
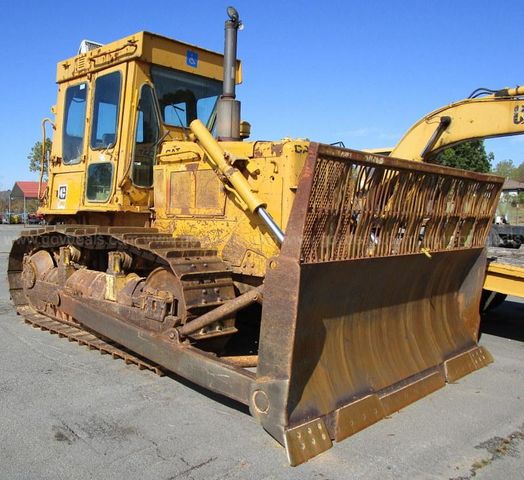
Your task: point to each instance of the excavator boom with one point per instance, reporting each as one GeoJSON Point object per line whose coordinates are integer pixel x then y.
{"type": "Point", "coordinates": [496, 115]}
{"type": "Point", "coordinates": [499, 114]}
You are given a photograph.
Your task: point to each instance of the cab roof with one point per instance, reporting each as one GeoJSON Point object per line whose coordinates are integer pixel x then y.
{"type": "Point", "coordinates": [150, 48]}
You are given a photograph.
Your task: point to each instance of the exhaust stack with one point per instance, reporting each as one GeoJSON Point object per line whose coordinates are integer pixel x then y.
{"type": "Point", "coordinates": [228, 109]}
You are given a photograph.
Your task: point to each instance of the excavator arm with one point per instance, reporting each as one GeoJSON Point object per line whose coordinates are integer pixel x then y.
{"type": "Point", "coordinates": [496, 115]}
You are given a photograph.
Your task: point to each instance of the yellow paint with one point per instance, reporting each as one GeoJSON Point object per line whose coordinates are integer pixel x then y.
{"type": "Point", "coordinates": [496, 115]}
{"type": "Point", "coordinates": [239, 236]}
{"type": "Point", "coordinates": [224, 163]}
{"type": "Point", "coordinates": [132, 57]}
{"type": "Point", "coordinates": [506, 279]}
{"type": "Point", "coordinates": [188, 196]}
{"type": "Point", "coordinates": [147, 47]}
{"type": "Point", "coordinates": [490, 116]}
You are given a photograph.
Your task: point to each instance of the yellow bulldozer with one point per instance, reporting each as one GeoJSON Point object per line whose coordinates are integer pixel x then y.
{"type": "Point", "coordinates": [323, 287]}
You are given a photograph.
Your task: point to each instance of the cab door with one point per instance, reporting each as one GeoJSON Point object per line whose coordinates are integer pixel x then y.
{"type": "Point", "coordinates": [143, 131]}
{"type": "Point", "coordinates": [67, 169]}
{"type": "Point", "coordinates": [105, 134]}
{"type": "Point", "coordinates": [145, 141]}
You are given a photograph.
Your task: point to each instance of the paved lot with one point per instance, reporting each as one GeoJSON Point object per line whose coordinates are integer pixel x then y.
{"type": "Point", "coordinates": [67, 412]}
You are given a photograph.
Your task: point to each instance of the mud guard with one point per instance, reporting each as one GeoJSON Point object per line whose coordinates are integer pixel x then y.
{"type": "Point", "coordinates": [373, 301]}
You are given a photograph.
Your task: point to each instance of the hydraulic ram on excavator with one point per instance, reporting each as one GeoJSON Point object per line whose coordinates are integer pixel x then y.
{"type": "Point", "coordinates": [166, 247]}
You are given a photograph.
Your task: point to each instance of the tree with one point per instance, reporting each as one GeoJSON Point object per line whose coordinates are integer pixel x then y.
{"type": "Point", "coordinates": [35, 157]}
{"type": "Point", "coordinates": [505, 168]}
{"type": "Point", "coordinates": [519, 174]}
{"type": "Point", "coordinates": [4, 200]}
{"type": "Point", "coordinates": [468, 156]}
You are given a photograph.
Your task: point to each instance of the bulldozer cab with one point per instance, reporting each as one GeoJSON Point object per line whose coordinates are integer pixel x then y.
{"type": "Point", "coordinates": [116, 103]}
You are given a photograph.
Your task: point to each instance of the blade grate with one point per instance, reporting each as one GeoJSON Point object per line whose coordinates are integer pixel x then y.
{"type": "Point", "coordinates": [363, 206]}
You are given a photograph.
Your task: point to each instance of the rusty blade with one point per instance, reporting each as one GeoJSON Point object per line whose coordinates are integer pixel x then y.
{"type": "Point", "coordinates": [373, 301]}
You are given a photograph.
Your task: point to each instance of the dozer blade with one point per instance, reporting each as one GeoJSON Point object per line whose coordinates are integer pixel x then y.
{"type": "Point", "coordinates": [373, 301]}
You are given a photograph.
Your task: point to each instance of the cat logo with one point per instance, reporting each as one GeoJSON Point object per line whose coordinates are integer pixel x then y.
{"type": "Point", "coordinates": [518, 115]}
{"type": "Point", "coordinates": [62, 192]}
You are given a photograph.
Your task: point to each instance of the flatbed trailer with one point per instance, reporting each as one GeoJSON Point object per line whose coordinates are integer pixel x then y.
{"type": "Point", "coordinates": [505, 271]}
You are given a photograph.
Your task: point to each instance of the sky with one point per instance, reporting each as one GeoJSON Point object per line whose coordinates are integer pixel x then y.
{"type": "Point", "coordinates": [351, 71]}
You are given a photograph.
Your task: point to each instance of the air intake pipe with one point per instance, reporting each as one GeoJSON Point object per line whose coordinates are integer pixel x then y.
{"type": "Point", "coordinates": [228, 109]}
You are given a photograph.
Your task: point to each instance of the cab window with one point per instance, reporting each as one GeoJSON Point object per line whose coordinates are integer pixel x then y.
{"type": "Point", "coordinates": [74, 123]}
{"type": "Point", "coordinates": [99, 181]}
{"type": "Point", "coordinates": [105, 111]}
{"type": "Point", "coordinates": [146, 138]}
{"type": "Point", "coordinates": [183, 97]}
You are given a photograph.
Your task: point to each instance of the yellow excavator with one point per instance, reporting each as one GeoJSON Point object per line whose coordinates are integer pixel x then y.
{"type": "Point", "coordinates": [485, 114]}
{"type": "Point", "coordinates": [323, 287]}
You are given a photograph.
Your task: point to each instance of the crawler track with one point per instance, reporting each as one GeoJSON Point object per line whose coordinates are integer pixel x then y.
{"type": "Point", "coordinates": [205, 278]}
{"type": "Point", "coordinates": [75, 333]}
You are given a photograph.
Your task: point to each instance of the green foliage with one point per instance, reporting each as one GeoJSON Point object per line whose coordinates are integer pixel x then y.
{"type": "Point", "coordinates": [519, 174]}
{"type": "Point", "coordinates": [17, 204]}
{"type": "Point", "coordinates": [505, 168]}
{"type": "Point", "coordinates": [4, 200]}
{"type": "Point", "coordinates": [468, 156]}
{"type": "Point", "coordinates": [35, 157]}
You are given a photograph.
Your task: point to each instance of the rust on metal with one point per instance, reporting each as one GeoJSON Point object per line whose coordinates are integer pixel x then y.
{"type": "Point", "coordinates": [306, 441]}
{"type": "Point", "coordinates": [244, 361]}
{"type": "Point", "coordinates": [356, 416]}
{"type": "Point", "coordinates": [363, 206]}
{"type": "Point", "coordinates": [467, 362]}
{"type": "Point", "coordinates": [374, 297]}
{"type": "Point", "coordinates": [223, 311]}
{"type": "Point", "coordinates": [75, 333]}
{"type": "Point", "coordinates": [144, 316]}
{"type": "Point", "coordinates": [371, 304]}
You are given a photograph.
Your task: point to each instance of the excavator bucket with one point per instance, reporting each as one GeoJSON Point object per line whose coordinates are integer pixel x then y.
{"type": "Point", "coordinates": [373, 301]}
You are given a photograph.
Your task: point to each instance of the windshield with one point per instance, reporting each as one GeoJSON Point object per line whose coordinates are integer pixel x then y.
{"type": "Point", "coordinates": [183, 97]}
{"type": "Point", "coordinates": [105, 111]}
